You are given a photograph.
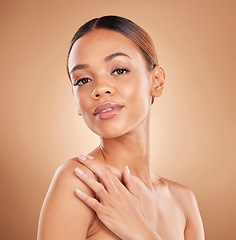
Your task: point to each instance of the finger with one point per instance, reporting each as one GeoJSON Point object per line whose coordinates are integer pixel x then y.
{"type": "Point", "coordinates": [92, 183]}
{"type": "Point", "coordinates": [104, 173]}
{"type": "Point", "coordinates": [91, 202]}
{"type": "Point", "coordinates": [129, 183]}
{"type": "Point", "coordinates": [116, 171]}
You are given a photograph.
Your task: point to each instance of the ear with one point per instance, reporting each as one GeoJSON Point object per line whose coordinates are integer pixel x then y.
{"type": "Point", "coordinates": [158, 81]}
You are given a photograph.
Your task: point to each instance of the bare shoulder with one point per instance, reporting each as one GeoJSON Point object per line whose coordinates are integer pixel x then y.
{"type": "Point", "coordinates": [182, 195]}
{"type": "Point", "coordinates": [180, 192]}
{"type": "Point", "coordinates": [63, 215]}
{"type": "Point", "coordinates": [65, 180]}
{"type": "Point", "coordinates": [66, 171]}
{"type": "Point", "coordinates": [186, 199]}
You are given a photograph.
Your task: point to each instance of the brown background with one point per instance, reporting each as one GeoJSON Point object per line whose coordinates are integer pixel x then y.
{"type": "Point", "coordinates": [193, 123]}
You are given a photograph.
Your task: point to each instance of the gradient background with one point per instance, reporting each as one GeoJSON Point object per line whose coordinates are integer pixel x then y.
{"type": "Point", "coordinates": [192, 125]}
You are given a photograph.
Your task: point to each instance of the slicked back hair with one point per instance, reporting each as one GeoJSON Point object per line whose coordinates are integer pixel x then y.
{"type": "Point", "coordinates": [124, 26]}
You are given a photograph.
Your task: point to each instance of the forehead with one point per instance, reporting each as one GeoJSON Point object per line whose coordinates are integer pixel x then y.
{"type": "Point", "coordinates": [99, 43]}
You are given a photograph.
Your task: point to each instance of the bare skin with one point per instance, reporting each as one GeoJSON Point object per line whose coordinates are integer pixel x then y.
{"type": "Point", "coordinates": [111, 203]}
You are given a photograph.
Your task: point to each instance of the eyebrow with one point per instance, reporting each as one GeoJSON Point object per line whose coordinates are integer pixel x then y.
{"type": "Point", "coordinates": [107, 59]}
{"type": "Point", "coordinates": [78, 67]}
{"type": "Point", "coordinates": [110, 57]}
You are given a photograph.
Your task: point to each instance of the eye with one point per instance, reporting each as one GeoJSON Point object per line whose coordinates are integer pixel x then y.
{"type": "Point", "coordinates": [120, 71]}
{"type": "Point", "coordinates": [82, 81]}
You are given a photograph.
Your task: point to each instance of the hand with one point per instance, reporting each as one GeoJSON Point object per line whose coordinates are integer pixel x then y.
{"type": "Point", "coordinates": [119, 206]}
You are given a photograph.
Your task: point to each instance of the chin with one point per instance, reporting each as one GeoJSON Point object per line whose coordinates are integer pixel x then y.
{"type": "Point", "coordinates": [109, 129]}
{"type": "Point", "coordinates": [108, 133]}
{"type": "Point", "coordinates": [115, 127]}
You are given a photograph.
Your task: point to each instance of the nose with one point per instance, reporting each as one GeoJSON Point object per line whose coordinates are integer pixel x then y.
{"type": "Point", "coordinates": [103, 89]}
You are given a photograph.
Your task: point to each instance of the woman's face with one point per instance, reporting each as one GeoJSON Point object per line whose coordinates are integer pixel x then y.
{"type": "Point", "coordinates": [111, 83]}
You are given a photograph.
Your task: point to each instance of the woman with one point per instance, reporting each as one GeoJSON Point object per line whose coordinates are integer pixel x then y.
{"type": "Point", "coordinates": [115, 77]}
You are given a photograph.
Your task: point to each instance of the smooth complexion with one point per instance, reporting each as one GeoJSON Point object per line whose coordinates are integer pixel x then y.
{"type": "Point", "coordinates": [112, 89]}
{"type": "Point", "coordinates": [128, 131]}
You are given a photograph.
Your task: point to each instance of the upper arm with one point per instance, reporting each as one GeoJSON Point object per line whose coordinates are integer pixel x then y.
{"type": "Point", "coordinates": [63, 215]}
{"type": "Point", "coordinates": [194, 227]}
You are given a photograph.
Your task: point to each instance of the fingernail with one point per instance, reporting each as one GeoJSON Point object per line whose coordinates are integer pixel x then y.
{"type": "Point", "coordinates": [81, 157]}
{"type": "Point", "coordinates": [79, 171]}
{"type": "Point", "coordinates": [79, 193]}
{"type": "Point", "coordinates": [127, 169]}
{"type": "Point", "coordinates": [90, 157]}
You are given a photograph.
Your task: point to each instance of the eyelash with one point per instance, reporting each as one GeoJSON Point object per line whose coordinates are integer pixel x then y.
{"type": "Point", "coordinates": [121, 69]}
{"type": "Point", "coordinates": [117, 71]}
{"type": "Point", "coordinates": [80, 81]}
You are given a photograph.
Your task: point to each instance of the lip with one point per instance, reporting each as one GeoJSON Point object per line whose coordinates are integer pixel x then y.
{"type": "Point", "coordinates": [107, 110]}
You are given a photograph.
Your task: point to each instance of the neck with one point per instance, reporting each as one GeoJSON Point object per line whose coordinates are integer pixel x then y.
{"type": "Point", "coordinates": [131, 149]}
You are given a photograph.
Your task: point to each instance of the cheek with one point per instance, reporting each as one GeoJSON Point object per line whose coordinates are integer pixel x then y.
{"type": "Point", "coordinates": [84, 103]}
{"type": "Point", "coordinates": [75, 95]}
{"type": "Point", "coordinates": [79, 97]}
{"type": "Point", "coordinates": [137, 90]}
{"type": "Point", "coordinates": [137, 97]}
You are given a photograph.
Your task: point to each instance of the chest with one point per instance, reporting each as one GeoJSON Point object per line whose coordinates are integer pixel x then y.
{"type": "Point", "coordinates": [164, 215]}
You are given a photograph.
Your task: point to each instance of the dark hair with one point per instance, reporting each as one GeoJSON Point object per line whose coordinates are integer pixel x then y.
{"type": "Point", "coordinates": [124, 26]}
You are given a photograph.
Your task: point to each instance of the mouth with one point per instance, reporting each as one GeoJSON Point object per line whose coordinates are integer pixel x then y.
{"type": "Point", "coordinates": [107, 110]}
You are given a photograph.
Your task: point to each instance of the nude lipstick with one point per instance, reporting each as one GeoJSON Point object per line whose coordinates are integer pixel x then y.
{"type": "Point", "coordinates": [107, 110]}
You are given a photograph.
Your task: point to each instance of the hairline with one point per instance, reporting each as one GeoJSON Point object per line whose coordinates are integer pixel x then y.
{"type": "Point", "coordinates": [141, 51]}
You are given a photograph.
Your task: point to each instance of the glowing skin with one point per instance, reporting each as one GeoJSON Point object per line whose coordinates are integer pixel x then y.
{"type": "Point", "coordinates": [122, 79]}
{"type": "Point", "coordinates": [113, 90]}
